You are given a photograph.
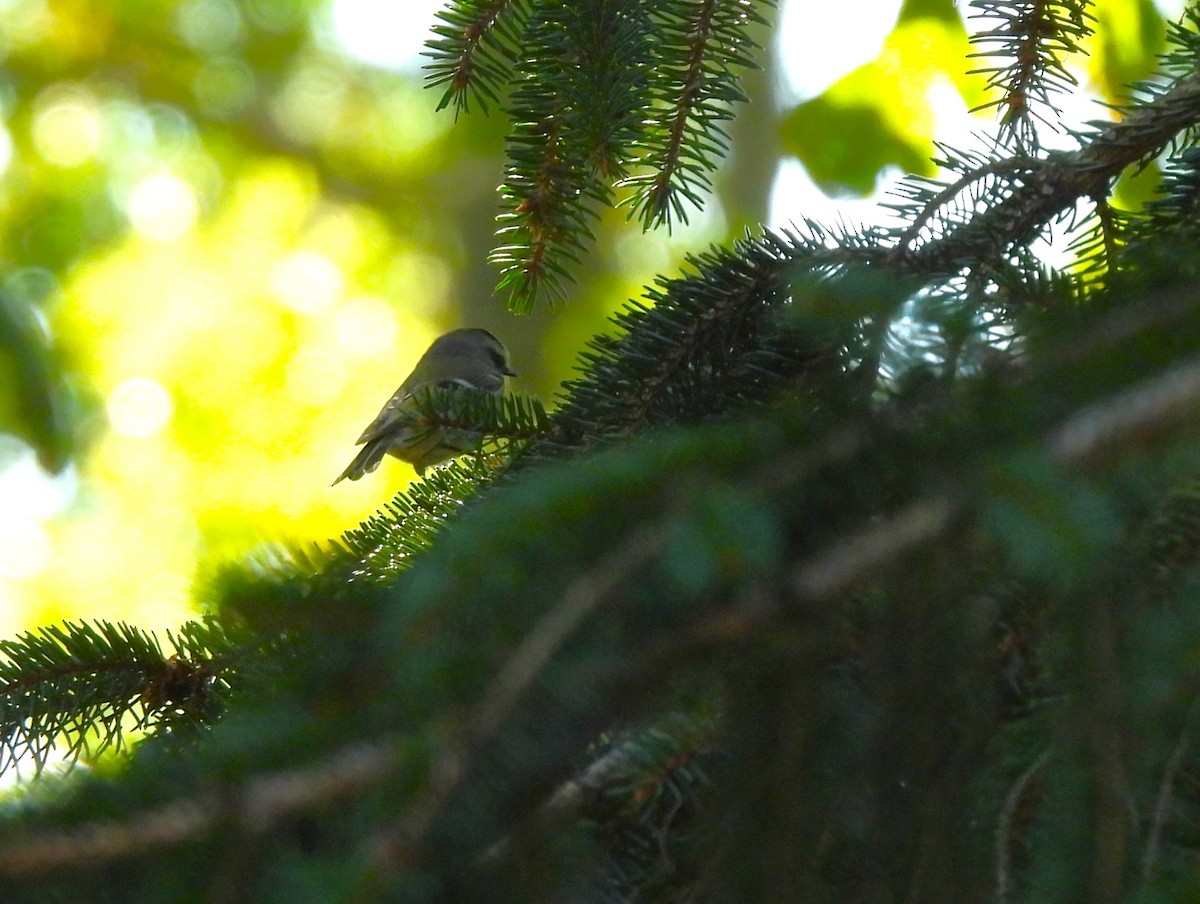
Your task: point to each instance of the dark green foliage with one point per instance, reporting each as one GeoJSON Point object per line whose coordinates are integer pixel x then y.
{"type": "Point", "coordinates": [473, 49]}
{"type": "Point", "coordinates": [87, 686]}
{"type": "Point", "coordinates": [600, 93]}
{"type": "Point", "coordinates": [844, 147]}
{"type": "Point", "coordinates": [35, 401]}
{"type": "Point", "coordinates": [1032, 38]}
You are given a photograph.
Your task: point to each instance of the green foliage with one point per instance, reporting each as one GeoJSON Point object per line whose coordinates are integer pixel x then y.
{"type": "Point", "coordinates": [1033, 41]}
{"type": "Point", "coordinates": [600, 94]}
{"type": "Point", "coordinates": [35, 406]}
{"type": "Point", "coordinates": [844, 147]}
{"type": "Point", "coordinates": [89, 685]}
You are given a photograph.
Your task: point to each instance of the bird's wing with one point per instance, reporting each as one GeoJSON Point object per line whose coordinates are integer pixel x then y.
{"type": "Point", "coordinates": [394, 411]}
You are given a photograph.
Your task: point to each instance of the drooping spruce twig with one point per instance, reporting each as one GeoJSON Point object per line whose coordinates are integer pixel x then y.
{"type": "Point", "coordinates": [471, 53]}
{"type": "Point", "coordinates": [1029, 42]}
{"type": "Point", "coordinates": [601, 94]}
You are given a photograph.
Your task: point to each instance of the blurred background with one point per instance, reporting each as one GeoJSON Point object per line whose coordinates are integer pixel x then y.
{"type": "Point", "coordinates": [228, 228]}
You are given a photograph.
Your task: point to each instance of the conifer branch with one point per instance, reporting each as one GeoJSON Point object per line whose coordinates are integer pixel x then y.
{"type": "Point", "coordinates": [1062, 179]}
{"type": "Point", "coordinates": [693, 87]}
{"type": "Point", "coordinates": [108, 841]}
{"type": "Point", "coordinates": [66, 682]}
{"type": "Point", "coordinates": [628, 774]}
{"type": "Point", "coordinates": [1010, 165]}
{"type": "Point", "coordinates": [591, 589]}
{"type": "Point", "coordinates": [471, 53]}
{"type": "Point", "coordinates": [603, 87]}
{"type": "Point", "coordinates": [509, 417]}
{"type": "Point", "coordinates": [383, 545]}
{"type": "Point", "coordinates": [1139, 417]}
{"type": "Point", "coordinates": [547, 196]}
{"type": "Point", "coordinates": [577, 111]}
{"type": "Point", "coordinates": [1144, 415]}
{"type": "Point", "coordinates": [681, 351]}
{"type": "Point", "coordinates": [258, 805]}
{"type": "Point", "coordinates": [1034, 35]}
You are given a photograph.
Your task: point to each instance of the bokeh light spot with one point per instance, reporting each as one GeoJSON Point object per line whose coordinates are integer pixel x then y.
{"type": "Point", "coordinates": [366, 326]}
{"type": "Point", "coordinates": [6, 148]}
{"type": "Point", "coordinates": [67, 126]}
{"type": "Point", "coordinates": [307, 282]}
{"type": "Point", "coordinates": [209, 25]}
{"type": "Point", "coordinates": [24, 547]}
{"type": "Point", "coordinates": [162, 207]}
{"type": "Point", "coordinates": [316, 377]}
{"type": "Point", "coordinates": [224, 86]}
{"type": "Point", "coordinates": [27, 490]}
{"type": "Point", "coordinates": [307, 107]}
{"type": "Point", "coordinates": [384, 34]}
{"type": "Point", "coordinates": [139, 408]}
{"type": "Point", "coordinates": [24, 22]}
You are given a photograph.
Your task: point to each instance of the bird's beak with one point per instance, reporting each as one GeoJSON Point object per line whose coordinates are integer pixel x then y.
{"type": "Point", "coordinates": [509, 372]}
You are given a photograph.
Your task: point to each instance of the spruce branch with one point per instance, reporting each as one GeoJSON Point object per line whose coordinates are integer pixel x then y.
{"type": "Point", "coordinates": [105, 842]}
{"type": "Point", "coordinates": [549, 197]}
{"type": "Point", "coordinates": [397, 844]}
{"type": "Point", "coordinates": [1139, 417]}
{"type": "Point", "coordinates": [1061, 179]}
{"type": "Point", "coordinates": [630, 772]}
{"type": "Point", "coordinates": [952, 191]}
{"type": "Point", "coordinates": [255, 807]}
{"type": "Point", "coordinates": [576, 111]}
{"type": "Point", "coordinates": [693, 84]}
{"type": "Point", "coordinates": [383, 545]}
{"type": "Point", "coordinates": [1034, 36]}
{"type": "Point", "coordinates": [1154, 411]}
{"type": "Point", "coordinates": [471, 54]}
{"type": "Point", "coordinates": [1172, 213]}
{"type": "Point", "coordinates": [66, 682]}
{"type": "Point", "coordinates": [496, 426]}
{"type": "Point", "coordinates": [598, 89]}
{"type": "Point", "coordinates": [699, 343]}
{"type": "Point", "coordinates": [483, 415]}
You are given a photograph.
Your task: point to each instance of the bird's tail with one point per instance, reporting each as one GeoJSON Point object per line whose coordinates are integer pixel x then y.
{"type": "Point", "coordinates": [366, 461]}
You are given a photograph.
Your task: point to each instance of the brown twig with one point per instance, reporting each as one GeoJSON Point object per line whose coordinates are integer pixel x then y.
{"type": "Point", "coordinates": [262, 802]}
{"type": "Point", "coordinates": [1138, 417]}
{"type": "Point", "coordinates": [838, 567]}
{"type": "Point", "coordinates": [1008, 815]}
{"type": "Point", "coordinates": [1162, 804]}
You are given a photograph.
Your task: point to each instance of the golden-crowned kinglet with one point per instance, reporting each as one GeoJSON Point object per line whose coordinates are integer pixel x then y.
{"type": "Point", "coordinates": [472, 358]}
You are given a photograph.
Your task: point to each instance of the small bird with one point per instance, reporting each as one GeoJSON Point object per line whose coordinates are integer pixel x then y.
{"type": "Point", "coordinates": [472, 358]}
